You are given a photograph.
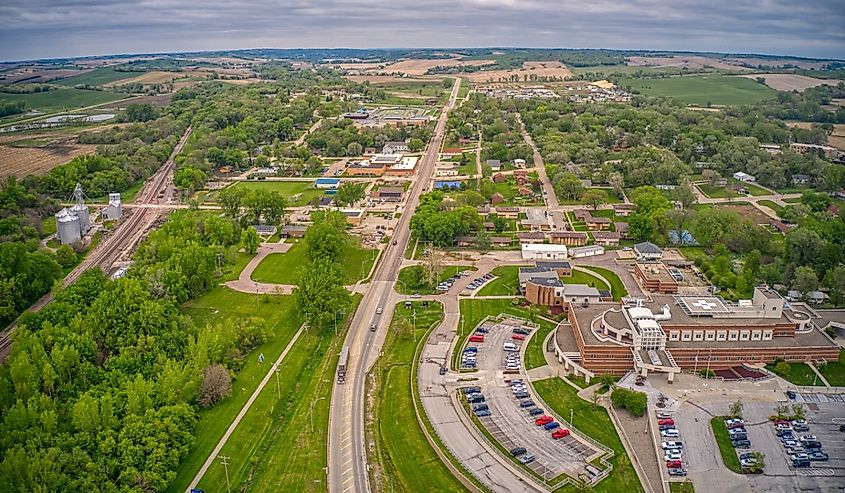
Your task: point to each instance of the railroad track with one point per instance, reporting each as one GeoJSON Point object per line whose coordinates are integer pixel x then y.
{"type": "Point", "coordinates": [123, 240]}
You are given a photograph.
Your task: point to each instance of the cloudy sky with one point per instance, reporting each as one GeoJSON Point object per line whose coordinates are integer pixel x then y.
{"type": "Point", "coordinates": [58, 28]}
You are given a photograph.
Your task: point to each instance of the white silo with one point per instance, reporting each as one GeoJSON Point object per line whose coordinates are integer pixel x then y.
{"type": "Point", "coordinates": [114, 210]}
{"type": "Point", "coordinates": [81, 211]}
{"type": "Point", "coordinates": [68, 227]}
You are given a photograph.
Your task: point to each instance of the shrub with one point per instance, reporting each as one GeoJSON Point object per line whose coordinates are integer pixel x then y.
{"type": "Point", "coordinates": [216, 385]}
{"type": "Point", "coordinates": [635, 402]}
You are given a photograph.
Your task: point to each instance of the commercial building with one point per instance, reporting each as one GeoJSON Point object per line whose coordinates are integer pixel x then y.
{"type": "Point", "coordinates": [72, 223]}
{"type": "Point", "coordinates": [327, 183]}
{"type": "Point", "coordinates": [586, 251]}
{"type": "Point", "coordinates": [394, 147]}
{"type": "Point", "coordinates": [532, 251]}
{"type": "Point", "coordinates": [745, 177]}
{"type": "Point", "coordinates": [655, 277]}
{"type": "Point", "coordinates": [568, 238]}
{"type": "Point", "coordinates": [365, 168]}
{"type": "Point", "coordinates": [670, 334]}
{"type": "Point", "coordinates": [606, 238]}
{"type": "Point", "coordinates": [548, 290]}
{"type": "Point", "coordinates": [648, 251]}
{"type": "Point", "coordinates": [446, 169]}
{"type": "Point", "coordinates": [294, 231]}
{"type": "Point", "coordinates": [389, 194]}
{"type": "Point", "coordinates": [405, 167]}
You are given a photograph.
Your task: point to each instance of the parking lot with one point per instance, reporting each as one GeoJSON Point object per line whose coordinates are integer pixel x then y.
{"type": "Point", "coordinates": [512, 425]}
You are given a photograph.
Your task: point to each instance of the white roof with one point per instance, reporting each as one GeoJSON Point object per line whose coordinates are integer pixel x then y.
{"type": "Point", "coordinates": [409, 162]}
{"type": "Point", "coordinates": [640, 312]}
{"type": "Point", "coordinates": [542, 247]}
{"type": "Point", "coordinates": [647, 324]}
{"type": "Point", "coordinates": [580, 290]}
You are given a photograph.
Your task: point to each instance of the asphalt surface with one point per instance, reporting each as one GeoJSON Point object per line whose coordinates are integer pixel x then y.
{"type": "Point", "coordinates": [347, 468]}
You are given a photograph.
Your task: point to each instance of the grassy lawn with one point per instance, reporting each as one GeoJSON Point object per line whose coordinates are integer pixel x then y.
{"type": "Point", "coordinates": [595, 423]}
{"type": "Point", "coordinates": [411, 281]}
{"type": "Point", "coordinates": [682, 487]}
{"type": "Point", "coordinates": [617, 288]}
{"type": "Point", "coordinates": [729, 457]}
{"type": "Point", "coordinates": [835, 372]}
{"type": "Point", "coordinates": [281, 268]}
{"type": "Point", "coordinates": [717, 192]}
{"type": "Point", "coordinates": [506, 282]}
{"type": "Point", "coordinates": [280, 445]}
{"type": "Point", "coordinates": [469, 168]}
{"type": "Point", "coordinates": [771, 205]}
{"type": "Point", "coordinates": [298, 193]}
{"type": "Point", "coordinates": [97, 77]}
{"type": "Point", "coordinates": [534, 357]}
{"type": "Point", "coordinates": [405, 460]}
{"type": "Point", "coordinates": [799, 373]}
{"type": "Point", "coordinates": [473, 311]}
{"type": "Point", "coordinates": [282, 319]}
{"type": "Point", "coordinates": [61, 99]}
{"type": "Point", "coordinates": [704, 90]}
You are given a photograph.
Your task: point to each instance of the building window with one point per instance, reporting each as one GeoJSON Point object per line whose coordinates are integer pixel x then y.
{"type": "Point", "coordinates": [709, 336]}
{"type": "Point", "coordinates": [686, 335]}
{"type": "Point", "coordinates": [744, 335]}
{"type": "Point", "coordinates": [756, 335]}
{"type": "Point", "coordinates": [674, 336]}
{"type": "Point", "coordinates": [698, 335]}
{"type": "Point", "coordinates": [733, 335]}
{"type": "Point", "coordinates": [721, 335]}
{"type": "Point", "coordinates": [767, 335]}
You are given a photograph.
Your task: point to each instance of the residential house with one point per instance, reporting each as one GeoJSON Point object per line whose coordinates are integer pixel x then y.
{"type": "Point", "coordinates": [494, 164]}
{"type": "Point", "coordinates": [531, 237]}
{"type": "Point", "coordinates": [394, 147]}
{"type": "Point", "coordinates": [568, 238]}
{"type": "Point", "coordinates": [497, 198]}
{"type": "Point", "coordinates": [606, 238]}
{"type": "Point", "coordinates": [508, 212]}
{"type": "Point", "coordinates": [598, 223]}
{"type": "Point", "coordinates": [648, 251]}
{"type": "Point", "coordinates": [801, 179]}
{"type": "Point", "coordinates": [624, 209]}
{"type": "Point", "coordinates": [451, 152]}
{"type": "Point", "coordinates": [744, 177]}
{"type": "Point", "coordinates": [499, 178]}
{"type": "Point", "coordinates": [519, 163]}
{"type": "Point", "coordinates": [621, 228]}
{"type": "Point", "coordinates": [501, 241]}
{"type": "Point", "coordinates": [294, 231]}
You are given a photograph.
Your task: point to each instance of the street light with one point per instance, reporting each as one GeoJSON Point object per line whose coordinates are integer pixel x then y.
{"type": "Point", "coordinates": [311, 412]}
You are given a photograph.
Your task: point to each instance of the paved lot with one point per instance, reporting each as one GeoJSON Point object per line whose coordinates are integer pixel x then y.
{"type": "Point", "coordinates": [511, 425]}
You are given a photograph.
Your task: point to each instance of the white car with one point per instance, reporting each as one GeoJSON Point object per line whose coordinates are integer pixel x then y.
{"type": "Point", "coordinates": [379, 310]}
{"type": "Point", "coordinates": [795, 457]}
{"type": "Point", "coordinates": [671, 445]}
{"type": "Point", "coordinates": [672, 456]}
{"type": "Point", "coordinates": [672, 433]}
{"type": "Point", "coordinates": [808, 438]}
{"type": "Point", "coordinates": [510, 347]}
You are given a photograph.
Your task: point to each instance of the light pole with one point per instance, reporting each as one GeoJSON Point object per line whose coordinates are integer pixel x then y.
{"type": "Point", "coordinates": [571, 412]}
{"type": "Point", "coordinates": [278, 387]}
{"type": "Point", "coordinates": [311, 412]}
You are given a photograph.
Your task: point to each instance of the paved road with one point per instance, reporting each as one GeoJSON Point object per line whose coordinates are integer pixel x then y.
{"type": "Point", "coordinates": [347, 455]}
{"type": "Point", "coordinates": [551, 199]}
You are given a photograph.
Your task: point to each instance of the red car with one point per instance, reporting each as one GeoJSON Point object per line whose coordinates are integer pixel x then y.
{"type": "Point", "coordinates": [736, 425]}
{"type": "Point", "coordinates": [674, 463]}
{"type": "Point", "coordinates": [667, 421]}
{"type": "Point", "coordinates": [476, 338]}
{"type": "Point", "coordinates": [782, 422]}
{"type": "Point", "coordinates": [563, 432]}
{"type": "Point", "coordinates": [543, 420]}
{"type": "Point", "coordinates": [518, 337]}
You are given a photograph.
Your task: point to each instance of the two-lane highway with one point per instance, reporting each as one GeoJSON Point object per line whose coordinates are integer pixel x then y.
{"type": "Point", "coordinates": [347, 453]}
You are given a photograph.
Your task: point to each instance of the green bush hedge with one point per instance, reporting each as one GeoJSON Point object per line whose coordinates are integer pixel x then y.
{"type": "Point", "coordinates": [633, 401]}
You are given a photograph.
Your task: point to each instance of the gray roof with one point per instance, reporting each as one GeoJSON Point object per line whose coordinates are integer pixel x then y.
{"type": "Point", "coordinates": [546, 281]}
{"type": "Point", "coordinates": [553, 265]}
{"type": "Point", "coordinates": [647, 247]}
{"type": "Point", "coordinates": [580, 290]}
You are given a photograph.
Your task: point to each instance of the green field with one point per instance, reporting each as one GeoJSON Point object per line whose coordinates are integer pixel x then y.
{"type": "Point", "coordinates": [61, 99]}
{"type": "Point", "coordinates": [798, 373]}
{"type": "Point", "coordinates": [594, 422]}
{"type": "Point", "coordinates": [617, 288]}
{"type": "Point", "coordinates": [534, 354]}
{"type": "Point", "coordinates": [721, 90]}
{"type": "Point", "coordinates": [506, 282]}
{"type": "Point", "coordinates": [282, 268]}
{"type": "Point", "coordinates": [402, 459]}
{"type": "Point", "coordinates": [408, 284]}
{"type": "Point", "coordinates": [729, 457]}
{"type": "Point", "coordinates": [97, 77]}
{"type": "Point", "coordinates": [834, 372]}
{"type": "Point", "coordinates": [682, 487]}
{"type": "Point", "coordinates": [771, 205]}
{"type": "Point", "coordinates": [281, 443]}
{"type": "Point", "coordinates": [280, 314]}
{"type": "Point", "coordinates": [298, 193]}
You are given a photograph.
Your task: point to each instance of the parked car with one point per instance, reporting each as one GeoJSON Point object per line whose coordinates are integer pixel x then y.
{"type": "Point", "coordinates": [482, 413]}
{"type": "Point", "coordinates": [677, 471]}
{"type": "Point", "coordinates": [795, 457]}
{"type": "Point", "coordinates": [416, 295]}
{"type": "Point", "coordinates": [733, 426]}
{"type": "Point", "coordinates": [517, 451]}
{"type": "Point", "coordinates": [785, 433]}
{"type": "Point", "coordinates": [510, 347]}
{"type": "Point", "coordinates": [801, 463]}
{"type": "Point", "coordinates": [741, 443]}
{"type": "Point", "coordinates": [666, 427]}
{"type": "Point", "coordinates": [674, 463]}
{"type": "Point", "coordinates": [746, 455]}
{"type": "Point", "coordinates": [801, 427]}
{"type": "Point", "coordinates": [518, 337]}
{"type": "Point", "coordinates": [527, 458]}
{"type": "Point", "coordinates": [442, 370]}
{"type": "Point", "coordinates": [482, 330]}
{"type": "Point", "coordinates": [670, 433]}
{"type": "Point", "coordinates": [819, 456]}
{"type": "Point", "coordinates": [479, 407]}
{"type": "Point", "coordinates": [557, 434]}
{"type": "Point", "coordinates": [790, 444]}
{"type": "Point", "coordinates": [471, 390]}
{"type": "Point", "coordinates": [672, 456]}
{"type": "Point", "coordinates": [520, 331]}
{"type": "Point", "coordinates": [667, 445]}
{"type": "Point", "coordinates": [526, 403]}
{"type": "Point", "coordinates": [552, 425]}
{"type": "Point", "coordinates": [790, 394]}
{"type": "Point", "coordinates": [471, 349]}
{"type": "Point", "coordinates": [535, 411]}
{"type": "Point", "coordinates": [663, 416]}
{"type": "Point", "coordinates": [667, 421]}
{"type": "Point", "coordinates": [521, 395]}
{"type": "Point", "coordinates": [739, 436]}
{"type": "Point", "coordinates": [812, 445]}
{"type": "Point", "coordinates": [475, 398]}
{"type": "Point", "coordinates": [809, 438]}
{"type": "Point", "coordinates": [476, 338]}
{"type": "Point", "coordinates": [543, 420]}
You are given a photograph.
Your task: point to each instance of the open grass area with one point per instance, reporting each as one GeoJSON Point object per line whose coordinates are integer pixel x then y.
{"type": "Point", "coordinates": [617, 288]}
{"type": "Point", "coordinates": [703, 90]}
{"type": "Point", "coordinates": [771, 205]}
{"type": "Point", "coordinates": [297, 193]}
{"type": "Point", "coordinates": [834, 372]}
{"type": "Point", "coordinates": [97, 77]}
{"type": "Point", "coordinates": [281, 444]}
{"type": "Point", "coordinates": [281, 268]}
{"type": "Point", "coordinates": [798, 373]}
{"type": "Point", "coordinates": [534, 354]}
{"type": "Point", "coordinates": [412, 280]}
{"type": "Point", "coordinates": [61, 99]}
{"type": "Point", "coordinates": [594, 422]}
{"type": "Point", "coordinates": [473, 311]}
{"type": "Point", "coordinates": [506, 282]}
{"type": "Point", "coordinates": [282, 319]}
{"type": "Point", "coordinates": [682, 487]}
{"type": "Point", "coordinates": [402, 459]}
{"type": "Point", "coordinates": [729, 457]}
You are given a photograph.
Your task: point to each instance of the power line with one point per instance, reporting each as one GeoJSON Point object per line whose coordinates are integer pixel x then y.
{"type": "Point", "coordinates": [225, 461]}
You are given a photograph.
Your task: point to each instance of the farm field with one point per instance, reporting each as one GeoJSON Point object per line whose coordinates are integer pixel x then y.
{"type": "Point", "coordinates": [680, 62]}
{"type": "Point", "coordinates": [24, 154]}
{"type": "Point", "coordinates": [156, 77]}
{"type": "Point", "coordinates": [791, 82]}
{"type": "Point", "coordinates": [402, 458]}
{"type": "Point", "coordinates": [594, 422]}
{"type": "Point", "coordinates": [281, 268]}
{"type": "Point", "coordinates": [706, 90]}
{"type": "Point", "coordinates": [529, 69]}
{"type": "Point", "coordinates": [97, 77]}
{"type": "Point", "coordinates": [421, 66]}
{"type": "Point", "coordinates": [282, 320]}
{"type": "Point", "coordinates": [298, 193]}
{"type": "Point", "coordinates": [61, 99]}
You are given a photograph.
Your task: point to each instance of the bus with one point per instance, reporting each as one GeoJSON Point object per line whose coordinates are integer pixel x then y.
{"type": "Point", "coordinates": [341, 364]}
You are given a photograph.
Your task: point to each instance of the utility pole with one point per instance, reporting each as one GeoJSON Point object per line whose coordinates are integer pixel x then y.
{"type": "Point", "coordinates": [225, 461]}
{"type": "Point", "coordinates": [278, 386]}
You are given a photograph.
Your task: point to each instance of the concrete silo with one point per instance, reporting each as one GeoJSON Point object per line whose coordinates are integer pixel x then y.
{"type": "Point", "coordinates": [68, 227]}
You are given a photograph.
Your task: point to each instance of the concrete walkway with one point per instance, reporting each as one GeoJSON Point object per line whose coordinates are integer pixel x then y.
{"type": "Point", "coordinates": [819, 374]}
{"type": "Point", "coordinates": [242, 413]}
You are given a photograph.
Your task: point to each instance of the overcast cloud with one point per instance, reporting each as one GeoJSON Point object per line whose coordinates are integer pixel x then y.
{"type": "Point", "coordinates": [60, 28]}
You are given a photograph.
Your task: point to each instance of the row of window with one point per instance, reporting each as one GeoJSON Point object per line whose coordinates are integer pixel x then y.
{"type": "Point", "coordinates": [720, 335]}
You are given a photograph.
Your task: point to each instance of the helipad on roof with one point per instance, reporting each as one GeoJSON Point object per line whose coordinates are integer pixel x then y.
{"type": "Point", "coordinates": [701, 305]}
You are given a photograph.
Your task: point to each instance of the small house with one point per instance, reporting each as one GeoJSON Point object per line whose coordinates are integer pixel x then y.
{"type": "Point", "coordinates": [494, 164]}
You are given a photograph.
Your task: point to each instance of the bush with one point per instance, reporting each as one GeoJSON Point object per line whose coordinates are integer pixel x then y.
{"type": "Point", "coordinates": [635, 402]}
{"type": "Point", "coordinates": [216, 385]}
